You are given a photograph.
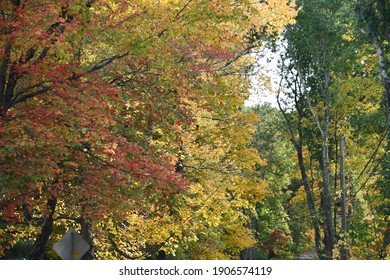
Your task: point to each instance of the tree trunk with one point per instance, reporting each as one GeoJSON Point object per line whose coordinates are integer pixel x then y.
{"type": "Point", "coordinates": [326, 203]}
{"type": "Point", "coordinates": [323, 127]}
{"type": "Point", "coordinates": [86, 227]}
{"type": "Point", "coordinates": [305, 179]}
{"type": "Point", "coordinates": [40, 244]}
{"type": "Point", "coordinates": [383, 74]}
{"type": "Point", "coordinates": [310, 202]}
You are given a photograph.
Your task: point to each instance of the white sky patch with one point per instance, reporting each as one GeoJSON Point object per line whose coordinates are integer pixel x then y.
{"type": "Point", "coordinates": [265, 79]}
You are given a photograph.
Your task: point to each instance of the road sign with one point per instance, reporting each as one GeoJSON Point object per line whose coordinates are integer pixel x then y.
{"type": "Point", "coordinates": [71, 246]}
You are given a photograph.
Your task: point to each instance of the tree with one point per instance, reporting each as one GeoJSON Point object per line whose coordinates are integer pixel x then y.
{"type": "Point", "coordinates": [328, 88]}
{"type": "Point", "coordinates": [312, 53]}
{"type": "Point", "coordinates": [372, 25]}
{"type": "Point", "coordinates": [274, 227]}
{"type": "Point", "coordinates": [97, 98]}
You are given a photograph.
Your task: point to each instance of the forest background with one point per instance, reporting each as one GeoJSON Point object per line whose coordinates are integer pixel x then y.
{"type": "Point", "coordinates": [126, 121]}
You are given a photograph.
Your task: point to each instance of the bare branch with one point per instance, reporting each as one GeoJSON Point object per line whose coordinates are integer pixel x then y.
{"type": "Point", "coordinates": [182, 9]}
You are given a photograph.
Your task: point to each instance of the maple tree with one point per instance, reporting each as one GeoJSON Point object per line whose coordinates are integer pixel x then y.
{"type": "Point", "coordinates": [101, 105]}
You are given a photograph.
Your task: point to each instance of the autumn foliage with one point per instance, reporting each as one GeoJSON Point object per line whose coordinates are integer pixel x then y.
{"type": "Point", "coordinates": [122, 119]}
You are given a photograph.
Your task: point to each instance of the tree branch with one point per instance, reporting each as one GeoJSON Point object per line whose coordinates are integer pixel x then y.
{"type": "Point", "coordinates": [302, 88]}
{"type": "Point", "coordinates": [106, 62]}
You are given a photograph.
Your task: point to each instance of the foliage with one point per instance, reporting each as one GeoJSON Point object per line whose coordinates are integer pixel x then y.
{"type": "Point", "coordinates": [109, 123]}
{"type": "Point", "coordinates": [125, 120]}
{"type": "Point", "coordinates": [330, 88]}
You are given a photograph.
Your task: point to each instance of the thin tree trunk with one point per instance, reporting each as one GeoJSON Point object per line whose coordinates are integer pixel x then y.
{"type": "Point", "coordinates": [326, 202]}
{"type": "Point", "coordinates": [335, 182]}
{"type": "Point", "coordinates": [86, 227]}
{"type": "Point", "coordinates": [4, 74]}
{"type": "Point", "coordinates": [326, 198]}
{"type": "Point", "coordinates": [40, 244]}
{"type": "Point", "coordinates": [310, 201]}
{"type": "Point", "coordinates": [383, 74]}
{"type": "Point", "coordinates": [344, 226]}
{"type": "Point", "coordinates": [305, 179]}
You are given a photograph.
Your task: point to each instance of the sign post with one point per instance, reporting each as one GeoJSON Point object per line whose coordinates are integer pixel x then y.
{"type": "Point", "coordinates": [71, 246]}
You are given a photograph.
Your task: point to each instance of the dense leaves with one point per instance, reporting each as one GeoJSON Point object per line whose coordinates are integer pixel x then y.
{"type": "Point", "coordinates": [125, 120]}
{"type": "Point", "coordinates": [119, 118]}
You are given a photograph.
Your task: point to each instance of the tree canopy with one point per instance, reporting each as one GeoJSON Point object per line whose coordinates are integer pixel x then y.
{"type": "Point", "coordinates": [126, 121]}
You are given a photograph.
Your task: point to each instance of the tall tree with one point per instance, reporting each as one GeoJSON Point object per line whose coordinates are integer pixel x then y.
{"type": "Point", "coordinates": [328, 89]}
{"type": "Point", "coordinates": [373, 22]}
{"type": "Point", "coordinates": [312, 53]}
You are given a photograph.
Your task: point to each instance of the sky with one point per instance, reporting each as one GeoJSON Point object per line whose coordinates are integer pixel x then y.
{"type": "Point", "coordinates": [264, 91]}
